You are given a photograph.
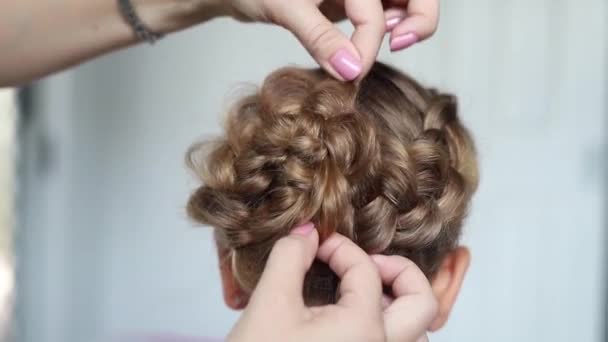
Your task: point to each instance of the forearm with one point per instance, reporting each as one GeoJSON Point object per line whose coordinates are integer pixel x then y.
{"type": "Point", "coordinates": [41, 37]}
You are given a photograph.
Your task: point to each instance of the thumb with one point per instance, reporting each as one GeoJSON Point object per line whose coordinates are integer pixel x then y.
{"type": "Point", "coordinates": [283, 277]}
{"type": "Point", "coordinates": [323, 40]}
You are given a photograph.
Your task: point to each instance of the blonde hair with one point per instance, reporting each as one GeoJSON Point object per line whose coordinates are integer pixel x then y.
{"type": "Point", "coordinates": [385, 162]}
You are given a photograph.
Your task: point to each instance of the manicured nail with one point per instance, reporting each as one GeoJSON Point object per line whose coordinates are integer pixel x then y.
{"type": "Point", "coordinates": [392, 22]}
{"type": "Point", "coordinates": [347, 65]}
{"type": "Point", "coordinates": [304, 229]}
{"type": "Point", "coordinates": [403, 41]}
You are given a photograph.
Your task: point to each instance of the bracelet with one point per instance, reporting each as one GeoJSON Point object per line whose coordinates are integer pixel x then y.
{"type": "Point", "coordinates": [141, 31]}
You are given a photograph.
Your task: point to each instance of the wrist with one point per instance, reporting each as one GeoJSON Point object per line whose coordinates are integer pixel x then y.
{"type": "Point", "coordinates": [166, 16]}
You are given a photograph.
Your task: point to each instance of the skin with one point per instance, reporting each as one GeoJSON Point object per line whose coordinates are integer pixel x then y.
{"type": "Point", "coordinates": [38, 38]}
{"type": "Point", "coordinates": [276, 311]}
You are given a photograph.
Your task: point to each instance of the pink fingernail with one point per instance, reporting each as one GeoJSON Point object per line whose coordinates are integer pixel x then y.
{"type": "Point", "coordinates": [304, 229]}
{"type": "Point", "coordinates": [392, 22]}
{"type": "Point", "coordinates": [403, 41]}
{"type": "Point", "coordinates": [347, 65]}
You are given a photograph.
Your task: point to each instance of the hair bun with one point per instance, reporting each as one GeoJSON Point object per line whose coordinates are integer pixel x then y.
{"type": "Point", "coordinates": [385, 162]}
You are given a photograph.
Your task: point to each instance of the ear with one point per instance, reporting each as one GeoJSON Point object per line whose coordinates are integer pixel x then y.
{"type": "Point", "coordinates": [234, 297]}
{"type": "Point", "coordinates": [447, 282]}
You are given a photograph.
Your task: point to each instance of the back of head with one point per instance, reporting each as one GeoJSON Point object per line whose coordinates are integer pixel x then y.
{"type": "Point", "coordinates": [385, 162]}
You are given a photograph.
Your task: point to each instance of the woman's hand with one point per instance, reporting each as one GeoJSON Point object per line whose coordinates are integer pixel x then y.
{"type": "Point", "coordinates": [39, 38]}
{"type": "Point", "coordinates": [276, 310]}
{"type": "Point", "coordinates": [408, 22]}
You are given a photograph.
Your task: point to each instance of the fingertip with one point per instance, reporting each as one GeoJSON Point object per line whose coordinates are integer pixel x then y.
{"type": "Point", "coordinates": [329, 46]}
{"type": "Point", "coordinates": [300, 244]}
{"type": "Point", "coordinates": [342, 255]}
{"type": "Point", "coordinates": [346, 64]}
{"type": "Point", "coordinates": [404, 41]}
{"type": "Point", "coordinates": [324, 249]}
{"type": "Point", "coordinates": [422, 18]}
{"type": "Point", "coordinates": [392, 22]}
{"type": "Point", "coordinates": [360, 286]}
{"type": "Point", "coordinates": [307, 233]}
{"type": "Point", "coordinates": [413, 29]}
{"type": "Point", "coordinates": [402, 274]}
{"type": "Point", "coordinates": [329, 246]}
{"type": "Point", "coordinates": [392, 18]}
{"type": "Point", "coordinates": [303, 229]}
{"type": "Point", "coordinates": [289, 260]}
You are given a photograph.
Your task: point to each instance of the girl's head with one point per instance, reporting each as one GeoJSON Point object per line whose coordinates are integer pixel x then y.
{"type": "Point", "coordinates": [385, 162]}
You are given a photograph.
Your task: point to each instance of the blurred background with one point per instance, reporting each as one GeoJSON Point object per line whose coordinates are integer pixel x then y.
{"type": "Point", "coordinates": [94, 222]}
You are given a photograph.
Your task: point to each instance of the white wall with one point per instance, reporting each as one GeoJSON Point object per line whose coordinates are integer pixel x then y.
{"type": "Point", "coordinates": [8, 108]}
{"type": "Point", "coordinates": [105, 246]}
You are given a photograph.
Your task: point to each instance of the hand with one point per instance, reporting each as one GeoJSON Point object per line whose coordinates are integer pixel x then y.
{"type": "Point", "coordinates": [408, 22]}
{"type": "Point", "coordinates": [276, 310]}
{"type": "Point", "coordinates": [60, 35]}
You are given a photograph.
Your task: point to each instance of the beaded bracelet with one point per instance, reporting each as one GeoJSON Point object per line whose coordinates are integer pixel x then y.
{"type": "Point", "coordinates": [141, 31]}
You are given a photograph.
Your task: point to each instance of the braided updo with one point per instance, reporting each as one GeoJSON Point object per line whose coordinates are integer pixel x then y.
{"type": "Point", "coordinates": [384, 162]}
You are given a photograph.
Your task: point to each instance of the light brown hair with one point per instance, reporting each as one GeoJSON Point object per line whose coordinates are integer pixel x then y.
{"type": "Point", "coordinates": [385, 162]}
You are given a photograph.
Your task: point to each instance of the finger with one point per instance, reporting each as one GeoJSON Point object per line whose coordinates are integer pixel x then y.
{"type": "Point", "coordinates": [367, 16]}
{"type": "Point", "coordinates": [392, 17]}
{"type": "Point", "coordinates": [414, 306]}
{"type": "Point", "coordinates": [283, 277]}
{"type": "Point", "coordinates": [420, 23]}
{"type": "Point", "coordinates": [360, 286]}
{"type": "Point", "coordinates": [325, 42]}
